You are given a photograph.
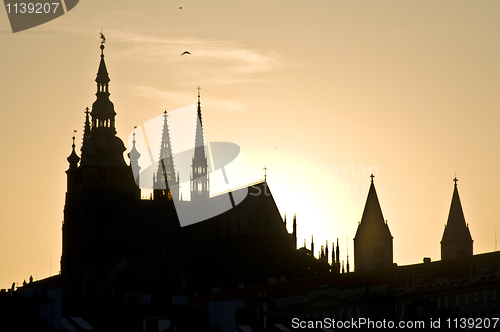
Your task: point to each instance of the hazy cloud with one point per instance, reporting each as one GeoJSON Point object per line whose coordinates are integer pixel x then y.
{"type": "Point", "coordinates": [220, 61]}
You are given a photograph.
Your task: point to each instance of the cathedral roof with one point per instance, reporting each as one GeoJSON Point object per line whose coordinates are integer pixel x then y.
{"type": "Point", "coordinates": [372, 222]}
{"type": "Point", "coordinates": [456, 229]}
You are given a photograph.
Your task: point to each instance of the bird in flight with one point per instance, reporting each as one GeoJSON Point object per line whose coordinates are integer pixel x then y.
{"type": "Point", "coordinates": [185, 52]}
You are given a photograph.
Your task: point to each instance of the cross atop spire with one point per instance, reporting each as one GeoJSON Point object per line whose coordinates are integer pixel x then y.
{"type": "Point", "coordinates": [455, 180]}
{"type": "Point", "coordinates": [265, 173]}
{"type": "Point", "coordinates": [372, 176]}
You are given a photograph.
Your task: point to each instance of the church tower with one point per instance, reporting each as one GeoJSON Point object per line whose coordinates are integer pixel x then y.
{"type": "Point", "coordinates": [170, 190]}
{"type": "Point", "coordinates": [456, 241]}
{"type": "Point", "coordinates": [199, 171]}
{"type": "Point", "coordinates": [373, 240]}
{"type": "Point", "coordinates": [100, 185]}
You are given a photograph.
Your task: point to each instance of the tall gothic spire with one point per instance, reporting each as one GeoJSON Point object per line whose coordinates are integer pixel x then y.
{"type": "Point", "coordinates": [199, 152]}
{"type": "Point", "coordinates": [168, 161]}
{"type": "Point", "coordinates": [199, 173]}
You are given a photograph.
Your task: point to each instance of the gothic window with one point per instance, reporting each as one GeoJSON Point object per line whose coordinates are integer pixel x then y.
{"type": "Point", "coordinates": [200, 187]}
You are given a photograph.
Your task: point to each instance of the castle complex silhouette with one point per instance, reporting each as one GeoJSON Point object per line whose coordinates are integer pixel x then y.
{"type": "Point", "coordinates": [128, 265]}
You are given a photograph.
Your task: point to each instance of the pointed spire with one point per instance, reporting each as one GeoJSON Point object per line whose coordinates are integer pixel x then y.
{"type": "Point", "coordinates": [199, 141]}
{"type": "Point", "coordinates": [456, 219]}
{"type": "Point", "coordinates": [87, 128]}
{"type": "Point", "coordinates": [199, 103]}
{"type": "Point", "coordinates": [102, 73]}
{"type": "Point", "coordinates": [295, 231]}
{"type": "Point", "coordinates": [373, 240]}
{"type": "Point", "coordinates": [326, 251]}
{"type": "Point", "coordinates": [199, 171]}
{"type": "Point", "coordinates": [372, 221]}
{"type": "Point", "coordinates": [337, 253]}
{"type": "Point", "coordinates": [457, 240]}
{"type": "Point", "coordinates": [312, 245]}
{"type": "Point", "coordinates": [73, 158]}
{"type": "Point", "coordinates": [166, 169]}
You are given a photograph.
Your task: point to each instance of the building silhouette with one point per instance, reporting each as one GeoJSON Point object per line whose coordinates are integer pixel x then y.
{"type": "Point", "coordinates": [105, 217]}
{"type": "Point", "coordinates": [128, 265]}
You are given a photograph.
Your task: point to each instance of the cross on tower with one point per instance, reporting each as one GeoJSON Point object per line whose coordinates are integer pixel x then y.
{"type": "Point", "coordinates": [455, 180]}
{"type": "Point", "coordinates": [198, 88]}
{"type": "Point", "coordinates": [265, 173]}
{"type": "Point", "coordinates": [372, 176]}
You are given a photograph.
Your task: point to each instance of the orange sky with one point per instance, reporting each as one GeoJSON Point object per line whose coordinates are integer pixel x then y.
{"type": "Point", "coordinates": [312, 89]}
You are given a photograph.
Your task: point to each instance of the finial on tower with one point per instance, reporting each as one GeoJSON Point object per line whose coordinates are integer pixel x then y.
{"type": "Point", "coordinates": [455, 180]}
{"type": "Point", "coordinates": [103, 40]}
{"type": "Point", "coordinates": [265, 173]}
{"type": "Point", "coordinates": [372, 176]}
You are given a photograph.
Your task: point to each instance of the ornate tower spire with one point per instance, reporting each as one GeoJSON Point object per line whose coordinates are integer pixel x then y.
{"type": "Point", "coordinates": [373, 240]}
{"type": "Point", "coordinates": [457, 241]}
{"type": "Point", "coordinates": [101, 174]}
{"type": "Point", "coordinates": [100, 145]}
{"type": "Point", "coordinates": [199, 173]}
{"type": "Point", "coordinates": [103, 111]}
{"type": "Point", "coordinates": [166, 156]}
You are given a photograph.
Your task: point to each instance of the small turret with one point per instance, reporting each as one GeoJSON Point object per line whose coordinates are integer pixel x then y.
{"type": "Point", "coordinates": [73, 158]}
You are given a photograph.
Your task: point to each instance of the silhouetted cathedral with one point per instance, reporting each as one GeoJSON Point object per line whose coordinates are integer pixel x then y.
{"type": "Point", "coordinates": [105, 217]}
{"type": "Point", "coordinates": [128, 265]}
